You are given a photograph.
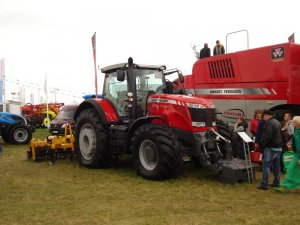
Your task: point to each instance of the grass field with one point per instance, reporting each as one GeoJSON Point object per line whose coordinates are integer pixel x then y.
{"type": "Point", "coordinates": [37, 193]}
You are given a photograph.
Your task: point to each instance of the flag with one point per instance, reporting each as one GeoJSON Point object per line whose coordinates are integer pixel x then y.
{"type": "Point", "coordinates": [94, 54]}
{"type": "Point", "coordinates": [292, 38]}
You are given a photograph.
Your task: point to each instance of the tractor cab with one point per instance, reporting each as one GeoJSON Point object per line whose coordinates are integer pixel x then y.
{"type": "Point", "coordinates": [128, 91]}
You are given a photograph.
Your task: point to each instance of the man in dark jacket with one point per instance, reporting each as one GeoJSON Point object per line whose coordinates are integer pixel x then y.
{"type": "Point", "coordinates": [271, 145]}
{"type": "Point", "coordinates": [205, 52]}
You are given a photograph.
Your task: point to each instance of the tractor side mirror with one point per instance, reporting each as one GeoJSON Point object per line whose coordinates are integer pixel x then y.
{"type": "Point", "coordinates": [120, 75]}
{"type": "Point", "coordinates": [181, 77]}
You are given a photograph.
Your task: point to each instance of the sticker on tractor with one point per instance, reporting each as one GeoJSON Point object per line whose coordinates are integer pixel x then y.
{"type": "Point", "coordinates": [277, 54]}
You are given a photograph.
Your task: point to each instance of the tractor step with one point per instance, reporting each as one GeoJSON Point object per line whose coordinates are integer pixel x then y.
{"type": "Point", "coordinates": [235, 171]}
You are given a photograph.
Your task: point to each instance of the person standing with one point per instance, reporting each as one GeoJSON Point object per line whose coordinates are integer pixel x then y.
{"type": "Point", "coordinates": [286, 141]}
{"type": "Point", "coordinates": [292, 177]}
{"type": "Point", "coordinates": [254, 122]}
{"type": "Point", "coordinates": [205, 52]}
{"type": "Point", "coordinates": [219, 49]}
{"type": "Point", "coordinates": [241, 126]}
{"type": "Point", "coordinates": [272, 147]}
{"type": "Point", "coordinates": [290, 126]}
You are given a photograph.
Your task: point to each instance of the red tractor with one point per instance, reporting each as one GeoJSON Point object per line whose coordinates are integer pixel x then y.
{"type": "Point", "coordinates": [137, 115]}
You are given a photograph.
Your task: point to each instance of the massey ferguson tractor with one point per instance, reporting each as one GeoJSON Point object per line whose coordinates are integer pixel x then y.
{"type": "Point", "coordinates": [137, 115]}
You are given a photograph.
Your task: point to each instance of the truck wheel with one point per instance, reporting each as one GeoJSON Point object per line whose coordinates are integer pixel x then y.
{"type": "Point", "coordinates": [91, 140]}
{"type": "Point", "coordinates": [157, 153]}
{"type": "Point", "coordinates": [20, 134]}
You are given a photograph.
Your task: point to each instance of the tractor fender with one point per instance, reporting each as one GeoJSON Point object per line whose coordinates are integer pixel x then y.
{"type": "Point", "coordinates": [141, 121]}
{"type": "Point", "coordinates": [104, 108]}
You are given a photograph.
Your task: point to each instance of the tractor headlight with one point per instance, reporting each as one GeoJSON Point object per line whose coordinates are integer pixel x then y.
{"type": "Point", "coordinates": [198, 124]}
{"type": "Point", "coordinates": [195, 106]}
{"type": "Point", "coordinates": [129, 95]}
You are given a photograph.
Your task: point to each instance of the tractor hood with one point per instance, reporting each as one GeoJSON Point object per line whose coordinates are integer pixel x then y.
{"type": "Point", "coordinates": [190, 101]}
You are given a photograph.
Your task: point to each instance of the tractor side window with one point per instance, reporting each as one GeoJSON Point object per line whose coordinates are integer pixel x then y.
{"type": "Point", "coordinates": [115, 91]}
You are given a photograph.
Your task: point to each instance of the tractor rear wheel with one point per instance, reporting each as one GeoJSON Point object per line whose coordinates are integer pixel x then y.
{"type": "Point", "coordinates": [20, 134]}
{"type": "Point", "coordinates": [157, 153]}
{"type": "Point", "coordinates": [91, 140]}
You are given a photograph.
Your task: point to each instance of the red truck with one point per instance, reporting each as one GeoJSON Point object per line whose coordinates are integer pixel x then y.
{"type": "Point", "coordinates": [238, 83]}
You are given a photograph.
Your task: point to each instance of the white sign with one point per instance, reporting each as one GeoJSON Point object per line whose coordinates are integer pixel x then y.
{"type": "Point", "coordinates": [245, 137]}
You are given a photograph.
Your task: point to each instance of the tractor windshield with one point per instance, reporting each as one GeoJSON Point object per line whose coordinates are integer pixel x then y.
{"type": "Point", "coordinates": [147, 81]}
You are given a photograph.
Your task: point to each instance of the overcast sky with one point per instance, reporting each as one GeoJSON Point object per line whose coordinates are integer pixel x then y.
{"type": "Point", "coordinates": [39, 37]}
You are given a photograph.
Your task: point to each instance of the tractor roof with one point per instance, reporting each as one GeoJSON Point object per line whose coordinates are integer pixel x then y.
{"type": "Point", "coordinates": [112, 68]}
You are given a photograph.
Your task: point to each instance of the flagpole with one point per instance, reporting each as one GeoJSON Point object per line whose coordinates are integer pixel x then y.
{"type": "Point", "coordinates": [46, 92]}
{"type": "Point", "coordinates": [2, 61]}
{"type": "Point", "coordinates": [94, 54]}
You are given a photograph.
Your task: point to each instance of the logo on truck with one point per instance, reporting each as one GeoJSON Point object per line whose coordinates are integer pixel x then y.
{"type": "Point", "coordinates": [277, 53]}
{"type": "Point", "coordinates": [233, 113]}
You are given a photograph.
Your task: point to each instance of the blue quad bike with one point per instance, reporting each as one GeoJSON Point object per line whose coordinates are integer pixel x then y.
{"type": "Point", "coordinates": [14, 128]}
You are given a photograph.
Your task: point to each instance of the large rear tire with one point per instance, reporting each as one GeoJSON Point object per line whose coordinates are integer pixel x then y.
{"type": "Point", "coordinates": [157, 153]}
{"type": "Point", "coordinates": [91, 140]}
{"type": "Point", "coordinates": [19, 134]}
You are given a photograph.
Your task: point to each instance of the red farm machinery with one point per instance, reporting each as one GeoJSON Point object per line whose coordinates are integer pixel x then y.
{"type": "Point", "coordinates": [238, 83]}
{"type": "Point", "coordinates": [36, 115]}
{"type": "Point", "coordinates": [138, 115]}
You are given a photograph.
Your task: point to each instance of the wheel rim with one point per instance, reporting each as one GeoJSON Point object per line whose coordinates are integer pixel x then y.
{"type": "Point", "coordinates": [148, 155]}
{"type": "Point", "coordinates": [87, 141]}
{"type": "Point", "coordinates": [20, 135]}
{"type": "Point", "coordinates": [47, 121]}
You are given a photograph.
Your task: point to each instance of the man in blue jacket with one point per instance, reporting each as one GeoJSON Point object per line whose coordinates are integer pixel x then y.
{"type": "Point", "coordinates": [272, 147]}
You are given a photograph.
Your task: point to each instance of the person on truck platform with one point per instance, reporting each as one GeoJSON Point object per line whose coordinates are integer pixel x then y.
{"type": "Point", "coordinates": [205, 52]}
{"type": "Point", "coordinates": [219, 48]}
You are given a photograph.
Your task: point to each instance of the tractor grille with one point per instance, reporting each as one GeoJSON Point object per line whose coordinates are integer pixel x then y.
{"type": "Point", "coordinates": [202, 117]}
{"type": "Point", "coordinates": [221, 69]}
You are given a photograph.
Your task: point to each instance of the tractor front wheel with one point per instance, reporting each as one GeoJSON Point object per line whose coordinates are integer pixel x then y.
{"type": "Point", "coordinates": [91, 140]}
{"type": "Point", "coordinates": [157, 153]}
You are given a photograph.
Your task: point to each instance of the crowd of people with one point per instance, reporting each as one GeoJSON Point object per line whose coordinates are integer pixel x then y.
{"type": "Point", "coordinates": [273, 139]}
